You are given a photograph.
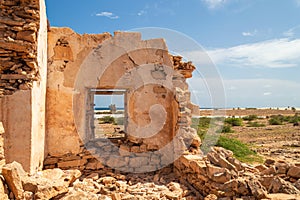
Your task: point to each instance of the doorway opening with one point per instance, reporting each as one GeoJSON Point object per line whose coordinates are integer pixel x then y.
{"type": "Point", "coordinates": [109, 113]}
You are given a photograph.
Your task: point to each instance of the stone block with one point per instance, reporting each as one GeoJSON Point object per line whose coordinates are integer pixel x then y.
{"type": "Point", "coordinates": [13, 174]}
{"type": "Point", "coordinates": [294, 172]}
{"type": "Point", "coordinates": [136, 162]}
{"type": "Point", "coordinates": [51, 161]}
{"type": "Point", "coordinates": [29, 36]}
{"type": "Point", "coordinates": [116, 162]}
{"type": "Point", "coordinates": [72, 164]}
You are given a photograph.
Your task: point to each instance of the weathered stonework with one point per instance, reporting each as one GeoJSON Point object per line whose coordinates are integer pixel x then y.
{"type": "Point", "coordinates": [23, 71]}
{"type": "Point", "coordinates": [66, 52]}
{"type": "Point", "coordinates": [19, 27]}
{"type": "Point", "coordinates": [142, 68]}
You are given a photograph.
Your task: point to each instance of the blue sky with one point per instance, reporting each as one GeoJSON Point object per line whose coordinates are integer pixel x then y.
{"type": "Point", "coordinates": [254, 44]}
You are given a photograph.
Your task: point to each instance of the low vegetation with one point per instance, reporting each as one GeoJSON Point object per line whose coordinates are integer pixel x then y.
{"type": "Point", "coordinates": [280, 119]}
{"type": "Point", "coordinates": [227, 129]}
{"type": "Point", "coordinates": [234, 121]}
{"type": "Point", "coordinates": [111, 120]}
{"type": "Point", "coordinates": [250, 117]}
{"type": "Point", "coordinates": [255, 124]}
{"type": "Point", "coordinates": [107, 120]}
{"type": "Point", "coordinates": [203, 124]}
{"type": "Point", "coordinates": [240, 150]}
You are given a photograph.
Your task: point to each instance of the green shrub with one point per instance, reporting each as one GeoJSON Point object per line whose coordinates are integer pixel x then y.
{"type": "Point", "coordinates": [275, 121]}
{"type": "Point", "coordinates": [204, 122]}
{"type": "Point", "coordinates": [250, 117]}
{"type": "Point", "coordinates": [227, 129]}
{"type": "Point", "coordinates": [234, 121]}
{"type": "Point", "coordinates": [240, 150]}
{"type": "Point", "coordinates": [107, 120]}
{"type": "Point", "coordinates": [294, 119]}
{"type": "Point", "coordinates": [279, 119]}
{"type": "Point", "coordinates": [255, 124]}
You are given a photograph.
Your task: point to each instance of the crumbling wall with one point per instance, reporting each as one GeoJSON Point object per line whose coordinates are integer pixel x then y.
{"type": "Point", "coordinates": [66, 52]}
{"type": "Point", "coordinates": [19, 26]}
{"type": "Point", "coordinates": [157, 101]}
{"type": "Point", "coordinates": [23, 68]}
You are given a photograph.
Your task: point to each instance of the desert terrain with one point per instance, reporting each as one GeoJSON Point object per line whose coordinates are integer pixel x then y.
{"type": "Point", "coordinates": [279, 142]}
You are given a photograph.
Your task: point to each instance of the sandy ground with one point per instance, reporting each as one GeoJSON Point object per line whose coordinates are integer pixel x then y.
{"type": "Point", "coordinates": [281, 142]}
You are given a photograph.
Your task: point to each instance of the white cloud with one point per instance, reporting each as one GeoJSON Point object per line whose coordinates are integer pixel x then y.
{"type": "Point", "coordinates": [289, 33]}
{"type": "Point", "coordinates": [292, 31]}
{"type": "Point", "coordinates": [249, 92]}
{"type": "Point", "coordinates": [212, 4]}
{"type": "Point", "coordinates": [109, 15]}
{"type": "Point", "coordinates": [297, 2]}
{"type": "Point", "coordinates": [253, 33]}
{"type": "Point", "coordinates": [142, 12]}
{"type": "Point", "coordinates": [267, 93]}
{"type": "Point", "coordinates": [276, 53]}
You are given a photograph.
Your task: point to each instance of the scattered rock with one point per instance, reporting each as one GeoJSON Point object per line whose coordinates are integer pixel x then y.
{"type": "Point", "coordinates": [294, 172]}
{"type": "Point", "coordinates": [278, 185]}
{"type": "Point", "coordinates": [42, 185]}
{"type": "Point", "coordinates": [13, 174]}
{"type": "Point", "coordinates": [211, 197]}
{"type": "Point", "coordinates": [107, 180]}
{"type": "Point", "coordinates": [269, 162]}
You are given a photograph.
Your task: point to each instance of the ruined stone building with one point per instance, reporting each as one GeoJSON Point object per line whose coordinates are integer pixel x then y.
{"type": "Point", "coordinates": [49, 78]}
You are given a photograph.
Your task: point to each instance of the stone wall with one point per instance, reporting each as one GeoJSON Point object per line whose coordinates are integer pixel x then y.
{"type": "Point", "coordinates": [66, 52]}
{"type": "Point", "coordinates": [158, 108]}
{"type": "Point", "coordinates": [19, 26]}
{"type": "Point", "coordinates": [97, 68]}
{"type": "Point", "coordinates": [23, 58]}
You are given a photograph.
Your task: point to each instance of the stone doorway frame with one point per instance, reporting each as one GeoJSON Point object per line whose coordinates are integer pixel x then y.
{"type": "Point", "coordinates": [91, 92]}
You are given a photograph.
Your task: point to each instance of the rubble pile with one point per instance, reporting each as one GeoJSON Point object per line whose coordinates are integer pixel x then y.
{"type": "Point", "coordinates": [218, 175]}
{"type": "Point", "coordinates": [42, 185]}
{"type": "Point", "coordinates": [215, 176]}
{"type": "Point", "coordinates": [19, 25]}
{"type": "Point", "coordinates": [222, 175]}
{"type": "Point", "coordinates": [103, 184]}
